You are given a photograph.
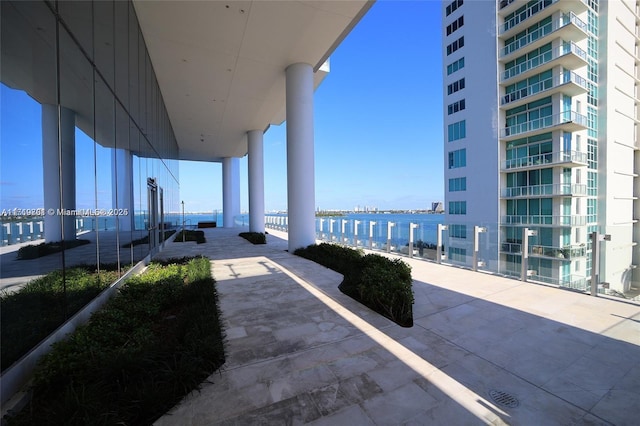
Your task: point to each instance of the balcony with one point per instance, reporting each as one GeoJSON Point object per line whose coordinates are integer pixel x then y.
{"type": "Point", "coordinates": [567, 27]}
{"type": "Point", "coordinates": [569, 121]}
{"type": "Point", "coordinates": [542, 220]}
{"type": "Point", "coordinates": [549, 190]}
{"type": "Point", "coordinates": [574, 282]}
{"type": "Point", "coordinates": [505, 7]}
{"type": "Point", "coordinates": [569, 55]}
{"type": "Point", "coordinates": [566, 253]}
{"type": "Point", "coordinates": [568, 83]}
{"type": "Point", "coordinates": [539, 10]}
{"type": "Point", "coordinates": [561, 253]}
{"type": "Point", "coordinates": [549, 159]}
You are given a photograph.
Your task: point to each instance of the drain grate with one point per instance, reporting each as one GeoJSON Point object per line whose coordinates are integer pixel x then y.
{"type": "Point", "coordinates": [504, 399]}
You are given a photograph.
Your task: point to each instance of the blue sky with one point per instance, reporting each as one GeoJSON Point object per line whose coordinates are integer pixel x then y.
{"type": "Point", "coordinates": [378, 128]}
{"type": "Point", "coordinates": [378, 121]}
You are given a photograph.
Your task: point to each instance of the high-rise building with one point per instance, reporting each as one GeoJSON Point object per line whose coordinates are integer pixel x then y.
{"type": "Point", "coordinates": [540, 122]}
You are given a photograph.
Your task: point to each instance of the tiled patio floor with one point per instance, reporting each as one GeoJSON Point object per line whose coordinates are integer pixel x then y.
{"type": "Point", "coordinates": [301, 352]}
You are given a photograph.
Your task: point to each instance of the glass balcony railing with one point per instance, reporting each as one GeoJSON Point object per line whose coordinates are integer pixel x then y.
{"type": "Point", "coordinates": [574, 282]}
{"type": "Point", "coordinates": [534, 8]}
{"type": "Point", "coordinates": [568, 117]}
{"type": "Point", "coordinates": [563, 21]}
{"type": "Point", "coordinates": [565, 158]}
{"type": "Point", "coordinates": [505, 3]}
{"type": "Point", "coordinates": [545, 85]}
{"type": "Point", "coordinates": [554, 189]}
{"type": "Point", "coordinates": [511, 248]}
{"type": "Point", "coordinates": [483, 246]}
{"type": "Point", "coordinates": [562, 253]}
{"type": "Point", "coordinates": [544, 220]}
{"type": "Point", "coordinates": [544, 58]}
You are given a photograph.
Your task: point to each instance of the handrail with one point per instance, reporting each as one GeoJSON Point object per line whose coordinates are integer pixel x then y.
{"type": "Point", "coordinates": [544, 122]}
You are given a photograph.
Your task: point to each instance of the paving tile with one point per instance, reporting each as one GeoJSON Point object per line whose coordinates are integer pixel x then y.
{"type": "Point", "coordinates": [351, 415]}
{"type": "Point", "coordinates": [293, 360]}
{"type": "Point", "coordinates": [399, 405]}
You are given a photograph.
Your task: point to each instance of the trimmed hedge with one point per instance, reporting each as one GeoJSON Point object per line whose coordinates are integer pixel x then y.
{"type": "Point", "coordinates": [34, 251]}
{"type": "Point", "coordinates": [145, 239]}
{"type": "Point", "coordinates": [254, 237]}
{"type": "Point", "coordinates": [42, 305]}
{"type": "Point", "coordinates": [197, 236]}
{"type": "Point", "coordinates": [380, 283]}
{"type": "Point", "coordinates": [151, 345]}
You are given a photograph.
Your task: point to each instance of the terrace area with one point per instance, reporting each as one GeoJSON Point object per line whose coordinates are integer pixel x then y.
{"type": "Point", "coordinates": [484, 349]}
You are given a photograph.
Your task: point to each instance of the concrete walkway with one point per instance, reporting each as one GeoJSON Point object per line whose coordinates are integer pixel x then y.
{"type": "Point", "coordinates": [483, 350]}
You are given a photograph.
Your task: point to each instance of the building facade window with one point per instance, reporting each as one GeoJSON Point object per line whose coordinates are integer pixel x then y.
{"type": "Point", "coordinates": [455, 86]}
{"type": "Point", "coordinates": [458, 184]}
{"type": "Point", "coordinates": [455, 25]}
{"type": "Point", "coordinates": [457, 254]}
{"type": "Point", "coordinates": [457, 207]}
{"type": "Point", "coordinates": [455, 66]}
{"type": "Point", "coordinates": [533, 59]}
{"type": "Point", "coordinates": [453, 6]}
{"type": "Point", "coordinates": [456, 107]}
{"type": "Point", "coordinates": [458, 158]}
{"type": "Point", "coordinates": [458, 44]}
{"type": "Point", "coordinates": [458, 231]}
{"type": "Point", "coordinates": [534, 115]}
{"type": "Point", "coordinates": [457, 131]}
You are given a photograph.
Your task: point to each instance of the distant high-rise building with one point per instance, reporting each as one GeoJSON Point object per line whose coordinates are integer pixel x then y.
{"type": "Point", "coordinates": [437, 207]}
{"type": "Point", "coordinates": [541, 122]}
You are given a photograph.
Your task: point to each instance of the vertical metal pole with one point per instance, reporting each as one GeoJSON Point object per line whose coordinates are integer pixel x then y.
{"type": "Point", "coordinates": [183, 222]}
{"type": "Point", "coordinates": [344, 222]}
{"type": "Point", "coordinates": [389, 225]}
{"type": "Point", "coordinates": [371, 225]}
{"type": "Point", "coordinates": [524, 265]}
{"type": "Point", "coordinates": [595, 262]}
{"type": "Point", "coordinates": [355, 233]}
{"type": "Point", "coordinates": [321, 223]}
{"type": "Point", "coordinates": [439, 243]}
{"type": "Point", "coordinates": [412, 226]}
{"type": "Point", "coordinates": [476, 246]}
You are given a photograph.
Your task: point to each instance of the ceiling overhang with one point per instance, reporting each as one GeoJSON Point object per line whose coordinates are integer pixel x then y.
{"type": "Point", "coordinates": [221, 65]}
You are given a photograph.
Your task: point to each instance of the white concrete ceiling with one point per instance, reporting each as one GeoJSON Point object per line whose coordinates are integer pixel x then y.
{"type": "Point", "coordinates": [221, 64]}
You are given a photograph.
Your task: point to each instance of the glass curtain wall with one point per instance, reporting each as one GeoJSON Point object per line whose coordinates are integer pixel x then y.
{"type": "Point", "coordinates": [84, 134]}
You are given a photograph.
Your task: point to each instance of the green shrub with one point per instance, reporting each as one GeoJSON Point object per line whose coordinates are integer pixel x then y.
{"type": "Point", "coordinates": [34, 251]}
{"type": "Point", "coordinates": [382, 284]}
{"type": "Point", "coordinates": [42, 305]}
{"type": "Point", "coordinates": [189, 235]}
{"type": "Point", "coordinates": [254, 237]}
{"type": "Point", "coordinates": [339, 258]}
{"type": "Point", "coordinates": [145, 239]}
{"type": "Point", "coordinates": [140, 355]}
{"type": "Point", "coordinates": [385, 285]}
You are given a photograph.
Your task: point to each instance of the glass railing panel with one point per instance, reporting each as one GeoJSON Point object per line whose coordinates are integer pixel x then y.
{"type": "Point", "coordinates": [557, 220]}
{"type": "Point", "coordinates": [619, 254]}
{"type": "Point", "coordinates": [543, 123]}
{"type": "Point", "coordinates": [549, 158]}
{"type": "Point", "coordinates": [556, 189]}
{"type": "Point", "coordinates": [546, 84]}
{"type": "Point", "coordinates": [543, 58]}
{"type": "Point", "coordinates": [562, 21]}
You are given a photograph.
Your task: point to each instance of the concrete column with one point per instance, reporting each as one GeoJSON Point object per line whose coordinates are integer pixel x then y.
{"type": "Point", "coordinates": [256, 181]}
{"type": "Point", "coordinates": [300, 155]}
{"type": "Point", "coordinates": [122, 186]}
{"type": "Point", "coordinates": [59, 172]}
{"type": "Point", "coordinates": [230, 190]}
